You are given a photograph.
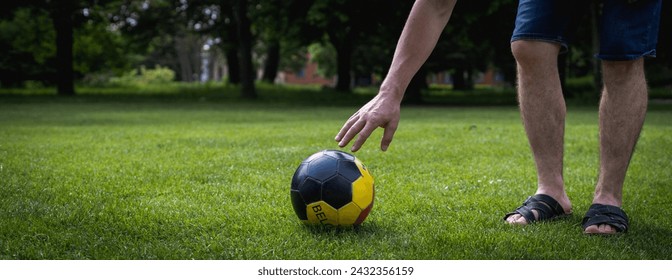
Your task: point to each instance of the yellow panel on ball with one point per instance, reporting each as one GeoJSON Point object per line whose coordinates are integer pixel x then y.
{"type": "Point", "coordinates": [321, 213]}
{"type": "Point", "coordinates": [362, 188]}
{"type": "Point", "coordinates": [365, 172]}
{"type": "Point", "coordinates": [348, 214]}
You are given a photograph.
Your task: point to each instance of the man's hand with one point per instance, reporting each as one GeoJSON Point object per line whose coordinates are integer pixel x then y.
{"type": "Point", "coordinates": [421, 32]}
{"type": "Point", "coordinates": [381, 111]}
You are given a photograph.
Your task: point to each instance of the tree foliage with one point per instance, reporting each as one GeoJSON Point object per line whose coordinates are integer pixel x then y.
{"type": "Point", "coordinates": [27, 37]}
{"type": "Point", "coordinates": [59, 42]}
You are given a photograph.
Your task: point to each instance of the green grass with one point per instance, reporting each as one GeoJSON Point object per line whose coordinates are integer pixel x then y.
{"type": "Point", "coordinates": [206, 176]}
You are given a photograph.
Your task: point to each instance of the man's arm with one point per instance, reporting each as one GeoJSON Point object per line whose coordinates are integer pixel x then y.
{"type": "Point", "coordinates": [423, 27]}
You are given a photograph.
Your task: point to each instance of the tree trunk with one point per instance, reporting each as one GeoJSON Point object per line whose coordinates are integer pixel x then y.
{"type": "Point", "coordinates": [230, 37]}
{"type": "Point", "coordinates": [470, 78]}
{"type": "Point", "coordinates": [233, 65]}
{"type": "Point", "coordinates": [414, 90]}
{"type": "Point", "coordinates": [183, 57]}
{"type": "Point", "coordinates": [463, 78]}
{"type": "Point", "coordinates": [63, 24]}
{"type": "Point", "coordinates": [272, 61]}
{"type": "Point", "coordinates": [343, 65]}
{"type": "Point", "coordinates": [344, 47]}
{"type": "Point", "coordinates": [245, 50]}
{"type": "Point", "coordinates": [459, 83]}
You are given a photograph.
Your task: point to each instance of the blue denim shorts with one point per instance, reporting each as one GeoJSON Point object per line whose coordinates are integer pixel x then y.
{"type": "Point", "coordinates": [628, 28]}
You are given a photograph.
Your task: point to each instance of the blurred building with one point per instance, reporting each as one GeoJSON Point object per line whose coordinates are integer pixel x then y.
{"type": "Point", "coordinates": [308, 75]}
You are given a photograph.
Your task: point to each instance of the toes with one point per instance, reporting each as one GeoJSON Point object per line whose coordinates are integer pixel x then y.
{"type": "Point", "coordinates": [512, 219]}
{"type": "Point", "coordinates": [592, 229]}
{"type": "Point", "coordinates": [600, 229]}
{"type": "Point", "coordinates": [606, 229]}
{"type": "Point", "coordinates": [521, 221]}
{"type": "Point", "coordinates": [516, 219]}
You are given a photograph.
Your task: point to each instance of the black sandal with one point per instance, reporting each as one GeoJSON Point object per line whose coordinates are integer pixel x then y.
{"type": "Point", "coordinates": [606, 214]}
{"type": "Point", "coordinates": [547, 208]}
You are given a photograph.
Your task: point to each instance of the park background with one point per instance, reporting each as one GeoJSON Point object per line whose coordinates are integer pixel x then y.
{"type": "Point", "coordinates": [165, 129]}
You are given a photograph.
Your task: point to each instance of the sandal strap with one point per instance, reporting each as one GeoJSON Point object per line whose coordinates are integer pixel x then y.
{"type": "Point", "coordinates": [606, 214]}
{"type": "Point", "coordinates": [546, 207]}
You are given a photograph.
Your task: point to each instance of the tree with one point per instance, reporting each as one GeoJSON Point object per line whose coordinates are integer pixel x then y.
{"type": "Point", "coordinates": [224, 26]}
{"type": "Point", "coordinates": [233, 25]}
{"type": "Point", "coordinates": [354, 29]}
{"type": "Point", "coordinates": [65, 17]}
{"type": "Point", "coordinates": [27, 38]}
{"type": "Point", "coordinates": [336, 19]}
{"type": "Point", "coordinates": [282, 32]}
{"type": "Point", "coordinates": [245, 48]}
{"type": "Point", "coordinates": [340, 20]}
{"type": "Point", "coordinates": [61, 15]}
{"type": "Point", "coordinates": [160, 30]}
{"type": "Point", "coordinates": [476, 38]}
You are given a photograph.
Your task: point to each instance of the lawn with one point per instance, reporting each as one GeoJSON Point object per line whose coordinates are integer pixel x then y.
{"type": "Point", "coordinates": [206, 176]}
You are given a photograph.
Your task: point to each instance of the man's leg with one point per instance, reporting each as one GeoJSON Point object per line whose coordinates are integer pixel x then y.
{"type": "Point", "coordinates": [622, 111]}
{"type": "Point", "coordinates": [542, 108]}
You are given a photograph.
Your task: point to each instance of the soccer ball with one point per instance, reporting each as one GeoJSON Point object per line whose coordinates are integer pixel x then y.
{"type": "Point", "coordinates": [332, 187]}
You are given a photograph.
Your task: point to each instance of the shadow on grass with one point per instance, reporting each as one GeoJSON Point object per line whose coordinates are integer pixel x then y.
{"type": "Point", "coordinates": [643, 241]}
{"type": "Point", "coordinates": [366, 230]}
{"type": "Point", "coordinates": [649, 241]}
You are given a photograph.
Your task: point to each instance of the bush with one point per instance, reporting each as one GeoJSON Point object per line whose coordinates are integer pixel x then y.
{"type": "Point", "coordinates": [581, 85]}
{"type": "Point", "coordinates": [98, 79]}
{"type": "Point", "coordinates": [158, 75]}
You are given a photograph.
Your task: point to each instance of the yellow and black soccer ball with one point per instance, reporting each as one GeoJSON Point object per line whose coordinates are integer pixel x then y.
{"type": "Point", "coordinates": [332, 187]}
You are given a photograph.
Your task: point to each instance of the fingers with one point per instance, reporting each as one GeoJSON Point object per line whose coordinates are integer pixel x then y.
{"type": "Point", "coordinates": [349, 130]}
{"type": "Point", "coordinates": [387, 136]}
{"type": "Point", "coordinates": [346, 127]}
{"type": "Point", "coordinates": [363, 135]}
{"type": "Point", "coordinates": [365, 121]}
